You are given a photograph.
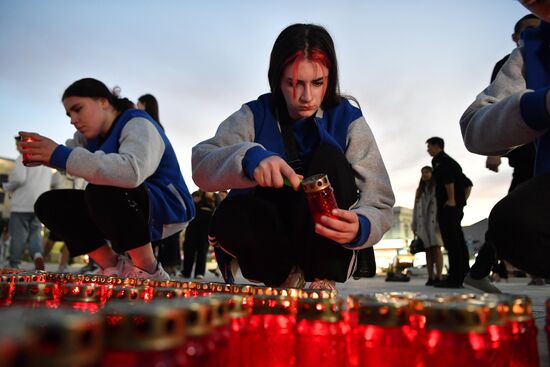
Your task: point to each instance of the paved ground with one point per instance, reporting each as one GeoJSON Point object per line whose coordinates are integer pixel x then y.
{"type": "Point", "coordinates": [538, 294]}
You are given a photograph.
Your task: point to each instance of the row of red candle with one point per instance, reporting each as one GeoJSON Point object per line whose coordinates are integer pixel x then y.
{"type": "Point", "coordinates": [512, 327]}
{"type": "Point", "coordinates": [282, 331]}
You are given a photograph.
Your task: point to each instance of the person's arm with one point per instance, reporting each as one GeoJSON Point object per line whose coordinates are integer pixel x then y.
{"type": "Point", "coordinates": [140, 150]}
{"type": "Point", "coordinates": [450, 189]}
{"type": "Point", "coordinates": [220, 162]}
{"type": "Point", "coordinates": [374, 207]}
{"type": "Point", "coordinates": [495, 122]}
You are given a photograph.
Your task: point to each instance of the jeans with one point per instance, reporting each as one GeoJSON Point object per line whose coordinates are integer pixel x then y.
{"type": "Point", "coordinates": [24, 229]}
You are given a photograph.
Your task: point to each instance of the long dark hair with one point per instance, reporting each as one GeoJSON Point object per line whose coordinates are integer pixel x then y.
{"type": "Point", "coordinates": [430, 184]}
{"type": "Point", "coordinates": [93, 88]}
{"type": "Point", "coordinates": [304, 41]}
{"type": "Point", "coordinates": [151, 106]}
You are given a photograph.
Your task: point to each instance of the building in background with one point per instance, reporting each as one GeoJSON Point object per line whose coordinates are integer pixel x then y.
{"type": "Point", "coordinates": [396, 240]}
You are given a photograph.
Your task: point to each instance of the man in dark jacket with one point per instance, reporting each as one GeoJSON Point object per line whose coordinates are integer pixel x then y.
{"type": "Point", "coordinates": [451, 199]}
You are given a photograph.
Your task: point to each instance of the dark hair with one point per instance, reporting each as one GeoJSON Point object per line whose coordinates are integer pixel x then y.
{"type": "Point", "coordinates": [436, 141]}
{"type": "Point", "coordinates": [517, 27]}
{"type": "Point", "coordinates": [151, 106]}
{"type": "Point", "coordinates": [422, 184]}
{"type": "Point", "coordinates": [93, 88]}
{"type": "Point", "coordinates": [304, 41]}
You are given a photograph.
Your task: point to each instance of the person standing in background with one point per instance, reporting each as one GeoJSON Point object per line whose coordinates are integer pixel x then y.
{"type": "Point", "coordinates": [451, 199]}
{"type": "Point", "coordinates": [195, 245]}
{"type": "Point", "coordinates": [25, 185]}
{"type": "Point", "coordinates": [167, 250]}
{"type": "Point", "coordinates": [425, 225]}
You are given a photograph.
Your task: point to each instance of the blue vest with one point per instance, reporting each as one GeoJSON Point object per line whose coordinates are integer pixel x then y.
{"type": "Point", "coordinates": [169, 198]}
{"type": "Point", "coordinates": [536, 56]}
{"type": "Point", "coordinates": [332, 126]}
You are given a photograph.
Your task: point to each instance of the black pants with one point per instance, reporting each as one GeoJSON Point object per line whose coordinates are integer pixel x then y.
{"type": "Point", "coordinates": [195, 251]}
{"type": "Point", "coordinates": [449, 219]}
{"type": "Point", "coordinates": [270, 230]}
{"type": "Point", "coordinates": [519, 224]}
{"type": "Point", "coordinates": [168, 250]}
{"type": "Point", "coordinates": [85, 219]}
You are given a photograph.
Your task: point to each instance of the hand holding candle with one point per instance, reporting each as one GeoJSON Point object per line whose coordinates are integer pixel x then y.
{"type": "Point", "coordinates": [36, 149]}
{"type": "Point", "coordinates": [272, 171]}
{"type": "Point", "coordinates": [339, 225]}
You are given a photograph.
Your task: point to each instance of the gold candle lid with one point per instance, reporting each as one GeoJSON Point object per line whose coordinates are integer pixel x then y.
{"type": "Point", "coordinates": [521, 308]}
{"type": "Point", "coordinates": [496, 312]}
{"type": "Point", "coordinates": [34, 291]}
{"type": "Point", "coordinates": [129, 294]}
{"type": "Point", "coordinates": [168, 293]}
{"type": "Point", "coordinates": [239, 305]}
{"type": "Point", "coordinates": [385, 314]}
{"type": "Point", "coordinates": [460, 317]}
{"type": "Point", "coordinates": [28, 277]}
{"type": "Point", "coordinates": [317, 293]}
{"type": "Point", "coordinates": [91, 293]}
{"type": "Point", "coordinates": [244, 289]}
{"type": "Point", "coordinates": [315, 183]}
{"type": "Point", "coordinates": [199, 287]}
{"type": "Point", "coordinates": [220, 287]}
{"type": "Point", "coordinates": [273, 305]}
{"type": "Point", "coordinates": [63, 337]}
{"type": "Point", "coordinates": [155, 326]}
{"type": "Point", "coordinates": [220, 310]}
{"type": "Point", "coordinates": [198, 316]}
{"type": "Point", "coordinates": [327, 309]}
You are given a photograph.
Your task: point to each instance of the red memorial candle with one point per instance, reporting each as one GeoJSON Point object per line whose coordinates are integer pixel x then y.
{"type": "Point", "coordinates": [26, 156]}
{"type": "Point", "coordinates": [385, 336]}
{"type": "Point", "coordinates": [271, 339]}
{"type": "Point", "coordinates": [456, 335]}
{"type": "Point", "coordinates": [320, 196]}
{"type": "Point", "coordinates": [320, 333]}
{"type": "Point", "coordinates": [144, 335]}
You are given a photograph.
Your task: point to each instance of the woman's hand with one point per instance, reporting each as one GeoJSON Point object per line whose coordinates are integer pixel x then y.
{"type": "Point", "coordinates": [342, 229]}
{"type": "Point", "coordinates": [271, 172]}
{"type": "Point", "coordinates": [40, 149]}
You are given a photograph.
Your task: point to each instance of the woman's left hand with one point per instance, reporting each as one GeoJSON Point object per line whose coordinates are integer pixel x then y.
{"type": "Point", "coordinates": [39, 149]}
{"type": "Point", "coordinates": [342, 229]}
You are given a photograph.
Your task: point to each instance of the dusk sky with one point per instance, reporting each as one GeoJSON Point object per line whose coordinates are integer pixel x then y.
{"type": "Point", "coordinates": [414, 67]}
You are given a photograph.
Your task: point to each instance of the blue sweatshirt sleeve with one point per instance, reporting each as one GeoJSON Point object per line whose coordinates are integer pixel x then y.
{"type": "Point", "coordinates": [252, 158]}
{"type": "Point", "coordinates": [364, 232]}
{"type": "Point", "coordinates": [59, 157]}
{"type": "Point", "coordinates": [533, 109]}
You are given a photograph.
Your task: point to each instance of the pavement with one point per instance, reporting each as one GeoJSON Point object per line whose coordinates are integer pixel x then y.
{"type": "Point", "coordinates": [377, 284]}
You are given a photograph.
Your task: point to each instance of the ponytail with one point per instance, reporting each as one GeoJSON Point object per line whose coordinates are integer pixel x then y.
{"type": "Point", "coordinates": [93, 88]}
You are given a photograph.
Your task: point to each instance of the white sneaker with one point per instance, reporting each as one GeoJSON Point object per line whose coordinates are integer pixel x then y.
{"type": "Point", "coordinates": [135, 272]}
{"type": "Point", "coordinates": [483, 284]}
{"type": "Point", "coordinates": [295, 279]}
{"type": "Point", "coordinates": [122, 266]}
{"type": "Point", "coordinates": [323, 284]}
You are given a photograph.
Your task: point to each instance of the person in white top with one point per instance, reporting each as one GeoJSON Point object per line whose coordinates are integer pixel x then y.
{"type": "Point", "coordinates": [25, 186]}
